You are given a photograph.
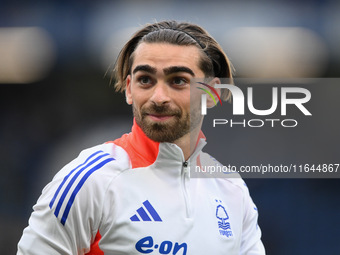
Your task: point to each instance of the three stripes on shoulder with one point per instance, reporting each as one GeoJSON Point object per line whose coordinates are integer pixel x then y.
{"type": "Point", "coordinates": [74, 181]}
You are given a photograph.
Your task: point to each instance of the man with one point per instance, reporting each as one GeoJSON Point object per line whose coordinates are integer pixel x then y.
{"type": "Point", "coordinates": [135, 195]}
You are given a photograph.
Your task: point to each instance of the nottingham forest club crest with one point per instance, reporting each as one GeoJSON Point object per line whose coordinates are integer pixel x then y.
{"type": "Point", "coordinates": [223, 223]}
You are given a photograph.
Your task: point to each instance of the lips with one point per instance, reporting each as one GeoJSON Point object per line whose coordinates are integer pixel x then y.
{"type": "Point", "coordinates": [158, 117]}
{"type": "Point", "coordinates": [160, 113]}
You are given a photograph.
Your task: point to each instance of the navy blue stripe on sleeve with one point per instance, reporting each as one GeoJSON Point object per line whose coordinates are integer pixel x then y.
{"type": "Point", "coordinates": [68, 187]}
{"type": "Point", "coordinates": [79, 185]}
{"type": "Point", "coordinates": [67, 176]}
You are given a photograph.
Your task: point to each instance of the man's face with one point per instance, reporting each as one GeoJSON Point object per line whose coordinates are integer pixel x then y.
{"type": "Point", "coordinates": [159, 90]}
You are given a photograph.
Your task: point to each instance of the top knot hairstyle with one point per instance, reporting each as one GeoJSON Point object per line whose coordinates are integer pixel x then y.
{"type": "Point", "coordinates": [213, 62]}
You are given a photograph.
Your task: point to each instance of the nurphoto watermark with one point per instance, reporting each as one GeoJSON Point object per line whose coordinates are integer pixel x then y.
{"type": "Point", "coordinates": [261, 128]}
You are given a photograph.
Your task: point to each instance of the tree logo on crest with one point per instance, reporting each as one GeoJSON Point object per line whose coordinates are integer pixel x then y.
{"type": "Point", "coordinates": [223, 223]}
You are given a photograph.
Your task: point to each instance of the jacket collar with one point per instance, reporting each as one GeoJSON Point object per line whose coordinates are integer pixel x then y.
{"type": "Point", "coordinates": [143, 151]}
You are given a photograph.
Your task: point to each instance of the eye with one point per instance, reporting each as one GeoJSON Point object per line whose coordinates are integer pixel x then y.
{"type": "Point", "coordinates": [145, 80]}
{"type": "Point", "coordinates": [179, 81]}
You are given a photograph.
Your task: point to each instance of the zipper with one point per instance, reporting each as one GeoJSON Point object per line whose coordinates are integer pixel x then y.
{"type": "Point", "coordinates": [185, 180]}
{"type": "Point", "coordinates": [185, 165]}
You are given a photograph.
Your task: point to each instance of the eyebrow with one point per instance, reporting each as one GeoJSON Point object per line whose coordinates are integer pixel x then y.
{"type": "Point", "coordinates": [178, 69]}
{"type": "Point", "coordinates": [167, 71]}
{"type": "Point", "coordinates": [145, 68]}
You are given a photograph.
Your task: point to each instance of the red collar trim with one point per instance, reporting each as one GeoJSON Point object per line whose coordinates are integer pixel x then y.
{"type": "Point", "coordinates": [141, 149]}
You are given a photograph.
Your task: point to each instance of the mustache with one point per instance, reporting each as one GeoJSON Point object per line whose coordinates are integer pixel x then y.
{"type": "Point", "coordinates": [161, 110]}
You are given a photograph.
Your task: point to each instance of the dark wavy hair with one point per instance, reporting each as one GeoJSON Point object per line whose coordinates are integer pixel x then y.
{"type": "Point", "coordinates": [213, 61]}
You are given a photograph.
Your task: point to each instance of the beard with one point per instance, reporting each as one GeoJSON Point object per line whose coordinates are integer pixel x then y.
{"type": "Point", "coordinates": [168, 131]}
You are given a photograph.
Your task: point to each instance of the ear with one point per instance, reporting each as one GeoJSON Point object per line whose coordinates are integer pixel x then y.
{"type": "Point", "coordinates": [128, 95]}
{"type": "Point", "coordinates": [210, 101]}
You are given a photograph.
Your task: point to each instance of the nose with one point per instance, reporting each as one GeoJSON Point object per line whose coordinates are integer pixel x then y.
{"type": "Point", "coordinates": [160, 94]}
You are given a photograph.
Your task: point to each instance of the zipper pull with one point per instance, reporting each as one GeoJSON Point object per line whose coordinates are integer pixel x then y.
{"type": "Point", "coordinates": [185, 167]}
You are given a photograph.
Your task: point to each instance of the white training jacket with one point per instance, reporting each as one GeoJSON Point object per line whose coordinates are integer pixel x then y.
{"type": "Point", "coordinates": [135, 196]}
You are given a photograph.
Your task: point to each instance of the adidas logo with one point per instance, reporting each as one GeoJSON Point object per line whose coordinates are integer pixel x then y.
{"type": "Point", "coordinates": [146, 213]}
